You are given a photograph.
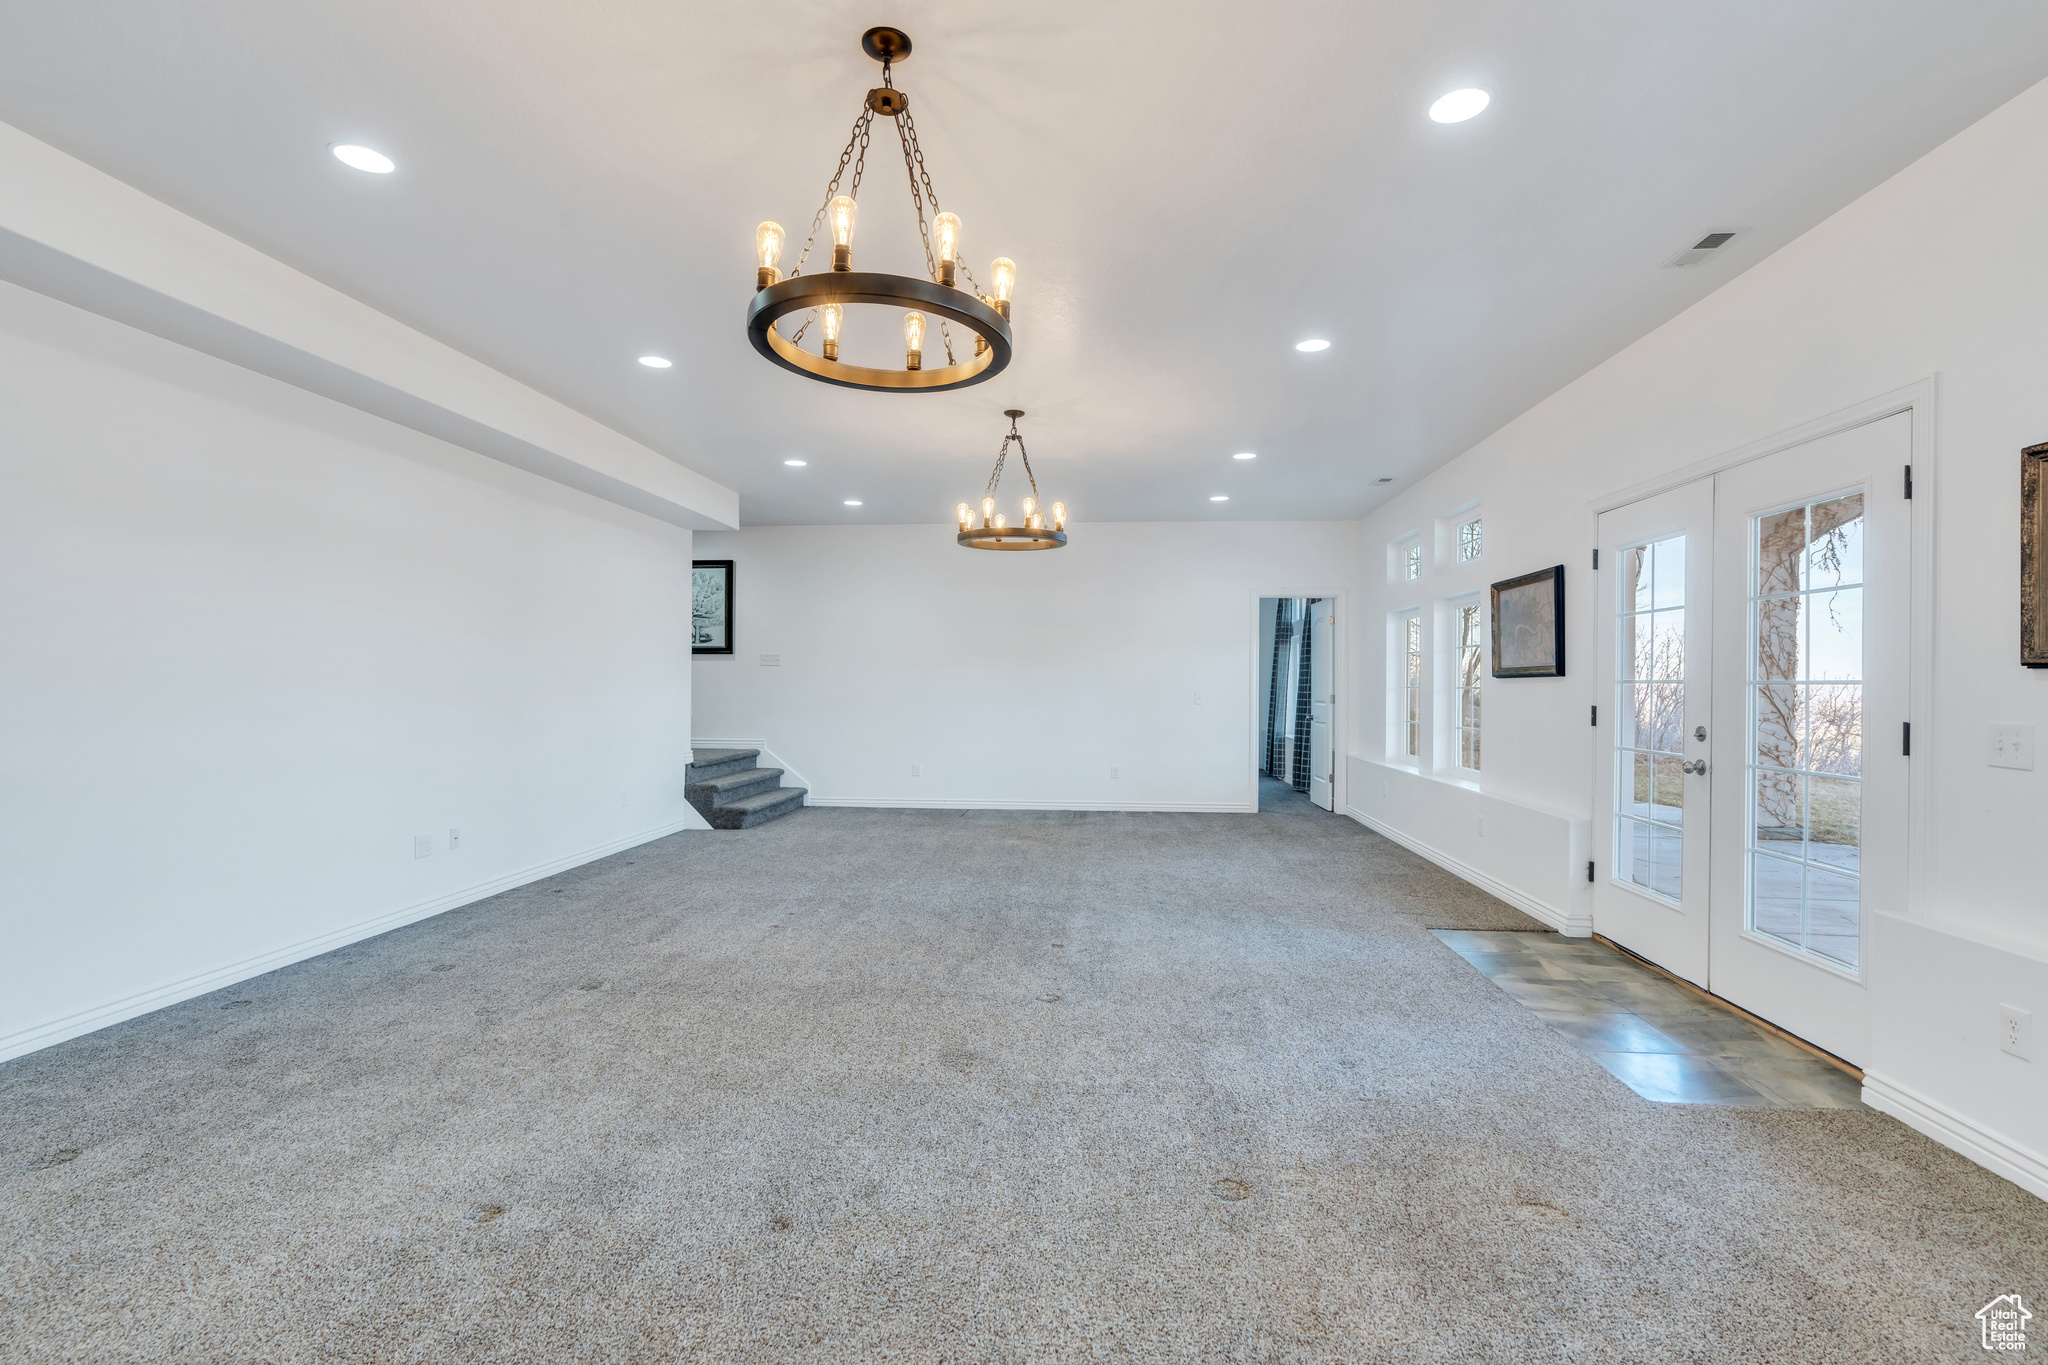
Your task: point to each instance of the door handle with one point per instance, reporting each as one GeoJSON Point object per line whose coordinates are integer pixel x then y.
{"type": "Point", "coordinates": [1696, 767]}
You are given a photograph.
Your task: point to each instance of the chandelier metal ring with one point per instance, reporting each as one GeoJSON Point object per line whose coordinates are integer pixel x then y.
{"type": "Point", "coordinates": [1010, 538]}
{"type": "Point", "coordinates": [801, 292]}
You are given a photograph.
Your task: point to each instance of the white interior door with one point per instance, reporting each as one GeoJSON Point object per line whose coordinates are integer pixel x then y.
{"type": "Point", "coordinates": [1651, 803]}
{"type": "Point", "coordinates": [1810, 703]}
{"type": "Point", "coordinates": [1322, 747]}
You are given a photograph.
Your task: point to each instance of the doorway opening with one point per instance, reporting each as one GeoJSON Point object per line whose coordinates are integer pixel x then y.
{"type": "Point", "coordinates": [1296, 705]}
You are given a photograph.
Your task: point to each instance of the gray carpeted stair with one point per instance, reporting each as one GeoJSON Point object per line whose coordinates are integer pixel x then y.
{"type": "Point", "coordinates": [732, 793]}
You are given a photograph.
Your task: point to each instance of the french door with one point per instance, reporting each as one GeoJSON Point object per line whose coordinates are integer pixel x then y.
{"type": "Point", "coordinates": [1655, 658]}
{"type": "Point", "coordinates": [1812, 554]}
{"type": "Point", "coordinates": [1751, 802]}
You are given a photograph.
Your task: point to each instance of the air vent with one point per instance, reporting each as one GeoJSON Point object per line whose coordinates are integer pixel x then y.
{"type": "Point", "coordinates": [1703, 250]}
{"type": "Point", "coordinates": [1382, 480]}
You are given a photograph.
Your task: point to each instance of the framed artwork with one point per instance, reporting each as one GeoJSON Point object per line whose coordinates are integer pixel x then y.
{"type": "Point", "coordinates": [711, 606]}
{"type": "Point", "coordinates": [2033, 544]}
{"type": "Point", "coordinates": [1528, 625]}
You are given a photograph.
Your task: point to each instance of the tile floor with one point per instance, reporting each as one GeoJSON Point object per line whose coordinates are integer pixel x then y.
{"type": "Point", "coordinates": [1663, 1041]}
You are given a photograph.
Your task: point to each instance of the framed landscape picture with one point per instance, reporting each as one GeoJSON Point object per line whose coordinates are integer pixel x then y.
{"type": "Point", "coordinates": [1528, 625]}
{"type": "Point", "coordinates": [711, 606]}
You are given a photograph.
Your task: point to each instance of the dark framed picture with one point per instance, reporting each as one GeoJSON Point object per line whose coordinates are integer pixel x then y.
{"type": "Point", "coordinates": [711, 606]}
{"type": "Point", "coordinates": [1528, 625]}
{"type": "Point", "coordinates": [2033, 543]}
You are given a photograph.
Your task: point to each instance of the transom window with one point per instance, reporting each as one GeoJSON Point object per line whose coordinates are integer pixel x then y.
{"type": "Point", "coordinates": [1470, 649]}
{"type": "Point", "coordinates": [1411, 559]}
{"type": "Point", "coordinates": [1471, 540]}
{"type": "Point", "coordinates": [1806, 727]}
{"type": "Point", "coordinates": [1649, 799]}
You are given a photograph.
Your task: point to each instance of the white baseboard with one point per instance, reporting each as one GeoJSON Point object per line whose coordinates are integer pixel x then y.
{"type": "Point", "coordinates": [52, 1031]}
{"type": "Point", "coordinates": [975, 803]}
{"type": "Point", "coordinates": [1574, 926]}
{"type": "Point", "coordinates": [2024, 1168]}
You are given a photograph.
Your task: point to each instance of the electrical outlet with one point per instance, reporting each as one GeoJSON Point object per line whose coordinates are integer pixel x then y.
{"type": "Point", "coordinates": [2012, 746]}
{"type": "Point", "coordinates": [2016, 1032]}
{"type": "Point", "coordinates": [422, 845]}
{"type": "Point", "coordinates": [454, 840]}
{"type": "Point", "coordinates": [1482, 827]}
{"type": "Point", "coordinates": [1198, 698]}
{"type": "Point", "coordinates": [1113, 772]}
{"type": "Point", "coordinates": [917, 770]}
{"type": "Point", "coordinates": [771, 661]}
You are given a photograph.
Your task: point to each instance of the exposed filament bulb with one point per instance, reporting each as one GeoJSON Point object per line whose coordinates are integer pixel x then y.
{"type": "Point", "coordinates": [768, 239]}
{"type": "Point", "coordinates": [831, 315]}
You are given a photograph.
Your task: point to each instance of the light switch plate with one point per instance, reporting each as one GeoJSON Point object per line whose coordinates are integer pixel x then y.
{"type": "Point", "coordinates": [422, 845]}
{"type": "Point", "coordinates": [2012, 746]}
{"type": "Point", "coordinates": [454, 840]}
{"type": "Point", "coordinates": [771, 661]}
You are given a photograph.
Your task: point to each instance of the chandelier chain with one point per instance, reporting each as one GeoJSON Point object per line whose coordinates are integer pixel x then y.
{"type": "Point", "coordinates": [996, 476]}
{"type": "Point", "coordinates": [857, 142]}
{"type": "Point", "coordinates": [913, 167]}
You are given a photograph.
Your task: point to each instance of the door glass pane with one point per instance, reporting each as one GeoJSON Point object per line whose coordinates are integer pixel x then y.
{"type": "Point", "coordinates": [1632, 845]}
{"type": "Point", "coordinates": [1635, 579]}
{"type": "Point", "coordinates": [1775, 887]}
{"type": "Point", "coordinates": [1649, 735]}
{"type": "Point", "coordinates": [1806, 727]}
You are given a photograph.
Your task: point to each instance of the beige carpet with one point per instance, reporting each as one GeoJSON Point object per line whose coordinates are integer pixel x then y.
{"type": "Point", "coordinates": [880, 1085]}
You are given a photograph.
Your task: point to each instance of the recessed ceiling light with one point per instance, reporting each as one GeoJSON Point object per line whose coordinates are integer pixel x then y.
{"type": "Point", "coordinates": [656, 362]}
{"type": "Point", "coordinates": [1459, 105]}
{"type": "Point", "coordinates": [1317, 345]}
{"type": "Point", "coordinates": [364, 159]}
{"type": "Point", "coordinates": [1219, 497]}
{"type": "Point", "coordinates": [853, 502]}
{"type": "Point", "coordinates": [1245, 455]}
{"type": "Point", "coordinates": [795, 464]}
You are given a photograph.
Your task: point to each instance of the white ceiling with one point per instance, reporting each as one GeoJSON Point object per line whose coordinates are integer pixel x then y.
{"type": "Point", "coordinates": [1188, 187]}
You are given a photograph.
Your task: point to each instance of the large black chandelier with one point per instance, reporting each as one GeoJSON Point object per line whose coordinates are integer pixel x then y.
{"type": "Point", "coordinates": [825, 296]}
{"type": "Point", "coordinates": [1040, 529]}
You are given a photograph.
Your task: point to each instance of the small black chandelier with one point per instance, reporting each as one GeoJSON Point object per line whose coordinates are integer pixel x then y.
{"type": "Point", "coordinates": [1038, 530]}
{"type": "Point", "coordinates": [987, 317]}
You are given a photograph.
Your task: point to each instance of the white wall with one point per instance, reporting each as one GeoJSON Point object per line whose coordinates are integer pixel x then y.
{"type": "Point", "coordinates": [1938, 272]}
{"type": "Point", "coordinates": [255, 641]}
{"type": "Point", "coordinates": [1014, 680]}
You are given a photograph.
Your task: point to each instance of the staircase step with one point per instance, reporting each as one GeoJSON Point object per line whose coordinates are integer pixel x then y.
{"type": "Point", "coordinates": [724, 790]}
{"type": "Point", "coordinates": [762, 806]}
{"type": "Point", "coordinates": [709, 763]}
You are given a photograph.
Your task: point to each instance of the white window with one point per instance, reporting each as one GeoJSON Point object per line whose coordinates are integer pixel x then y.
{"type": "Point", "coordinates": [1470, 649]}
{"type": "Point", "coordinates": [1470, 543]}
{"type": "Point", "coordinates": [1412, 561]}
{"type": "Point", "coordinates": [1411, 686]}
